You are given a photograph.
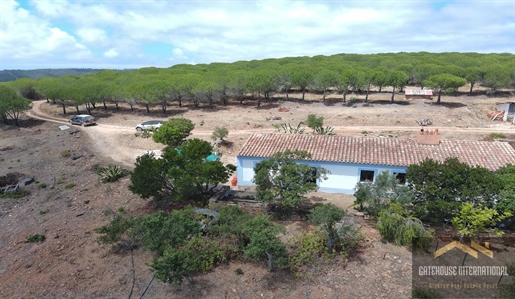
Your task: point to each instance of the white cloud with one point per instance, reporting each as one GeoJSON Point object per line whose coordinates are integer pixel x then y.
{"type": "Point", "coordinates": [93, 36]}
{"type": "Point", "coordinates": [226, 31]}
{"type": "Point", "coordinates": [26, 40]}
{"type": "Point", "coordinates": [51, 8]}
{"type": "Point", "coordinates": [178, 54]}
{"type": "Point", "coordinates": [111, 53]}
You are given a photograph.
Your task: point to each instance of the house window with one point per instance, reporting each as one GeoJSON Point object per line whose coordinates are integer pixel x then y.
{"type": "Point", "coordinates": [401, 177]}
{"type": "Point", "coordinates": [366, 176]}
{"type": "Point", "coordinates": [311, 176]}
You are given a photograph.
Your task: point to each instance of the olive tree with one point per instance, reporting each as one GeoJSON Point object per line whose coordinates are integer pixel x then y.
{"type": "Point", "coordinates": [327, 215]}
{"type": "Point", "coordinates": [181, 173]}
{"type": "Point", "coordinates": [264, 242]}
{"type": "Point", "coordinates": [283, 180]}
{"type": "Point", "coordinates": [219, 134]}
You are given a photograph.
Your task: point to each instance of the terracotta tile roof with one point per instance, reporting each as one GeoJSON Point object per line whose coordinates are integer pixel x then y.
{"type": "Point", "coordinates": [380, 151]}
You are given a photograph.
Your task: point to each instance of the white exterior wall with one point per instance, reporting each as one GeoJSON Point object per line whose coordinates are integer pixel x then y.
{"type": "Point", "coordinates": [245, 170]}
{"type": "Point", "coordinates": [342, 178]}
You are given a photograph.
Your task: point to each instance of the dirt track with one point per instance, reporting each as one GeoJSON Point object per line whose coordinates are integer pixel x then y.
{"type": "Point", "coordinates": [106, 135]}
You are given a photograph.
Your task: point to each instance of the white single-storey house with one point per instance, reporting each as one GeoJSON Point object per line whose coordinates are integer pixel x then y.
{"type": "Point", "coordinates": [353, 159]}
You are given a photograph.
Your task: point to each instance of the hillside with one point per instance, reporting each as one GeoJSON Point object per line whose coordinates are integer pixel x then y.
{"type": "Point", "coordinates": [11, 75]}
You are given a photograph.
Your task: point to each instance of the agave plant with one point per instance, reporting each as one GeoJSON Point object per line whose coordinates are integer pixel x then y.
{"type": "Point", "coordinates": [112, 173]}
{"type": "Point", "coordinates": [324, 131]}
{"type": "Point", "coordinates": [289, 129]}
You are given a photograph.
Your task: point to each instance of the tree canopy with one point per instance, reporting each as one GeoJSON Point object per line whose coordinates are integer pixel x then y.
{"type": "Point", "coordinates": [11, 104]}
{"type": "Point", "coordinates": [181, 173]}
{"type": "Point", "coordinates": [284, 179]}
{"type": "Point", "coordinates": [442, 187]}
{"type": "Point", "coordinates": [174, 131]}
{"type": "Point", "coordinates": [443, 82]}
{"type": "Point", "coordinates": [207, 84]}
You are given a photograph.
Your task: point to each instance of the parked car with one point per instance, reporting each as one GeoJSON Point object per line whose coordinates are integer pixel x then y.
{"type": "Point", "coordinates": [149, 125]}
{"type": "Point", "coordinates": [83, 120]}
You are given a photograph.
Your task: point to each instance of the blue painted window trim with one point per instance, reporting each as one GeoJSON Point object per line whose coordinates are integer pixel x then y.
{"type": "Point", "coordinates": [360, 169]}
{"type": "Point", "coordinates": [392, 172]}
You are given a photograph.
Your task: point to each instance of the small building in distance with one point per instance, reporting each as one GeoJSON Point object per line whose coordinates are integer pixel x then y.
{"type": "Point", "coordinates": [419, 94]}
{"type": "Point", "coordinates": [505, 112]}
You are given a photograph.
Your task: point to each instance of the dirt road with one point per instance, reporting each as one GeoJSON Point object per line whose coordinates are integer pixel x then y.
{"type": "Point", "coordinates": [118, 142]}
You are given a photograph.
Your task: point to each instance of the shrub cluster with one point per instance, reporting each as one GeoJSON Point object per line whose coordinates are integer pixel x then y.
{"type": "Point", "coordinates": [184, 247]}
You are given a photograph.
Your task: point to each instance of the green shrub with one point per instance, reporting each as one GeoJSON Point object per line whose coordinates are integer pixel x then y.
{"type": "Point", "coordinates": [43, 212]}
{"type": "Point", "coordinates": [307, 248]}
{"type": "Point", "coordinates": [69, 186]}
{"type": "Point", "coordinates": [396, 225]}
{"type": "Point", "coordinates": [66, 153]}
{"type": "Point", "coordinates": [112, 173]}
{"type": "Point", "coordinates": [61, 180]}
{"type": "Point", "coordinates": [211, 252]}
{"type": "Point", "coordinates": [36, 238]}
{"type": "Point", "coordinates": [239, 271]}
{"type": "Point", "coordinates": [507, 290]}
{"type": "Point", "coordinates": [495, 135]}
{"type": "Point", "coordinates": [115, 231]}
{"type": "Point", "coordinates": [42, 185]}
{"type": "Point", "coordinates": [349, 239]}
{"type": "Point", "coordinates": [16, 194]}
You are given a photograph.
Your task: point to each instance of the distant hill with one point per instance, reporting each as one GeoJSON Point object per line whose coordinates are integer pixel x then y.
{"type": "Point", "coordinates": [11, 75]}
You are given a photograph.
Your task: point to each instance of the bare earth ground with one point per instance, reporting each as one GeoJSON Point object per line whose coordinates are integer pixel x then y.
{"type": "Point", "coordinates": [70, 264]}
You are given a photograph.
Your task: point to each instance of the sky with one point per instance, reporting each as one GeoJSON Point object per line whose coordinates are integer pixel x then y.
{"type": "Point", "coordinates": [116, 34]}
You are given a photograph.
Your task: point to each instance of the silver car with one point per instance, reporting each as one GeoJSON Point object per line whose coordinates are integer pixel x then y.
{"type": "Point", "coordinates": [83, 120]}
{"type": "Point", "coordinates": [149, 125]}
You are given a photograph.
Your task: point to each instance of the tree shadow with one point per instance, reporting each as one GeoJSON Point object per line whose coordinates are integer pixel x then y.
{"type": "Point", "coordinates": [214, 108]}
{"type": "Point", "coordinates": [331, 102]}
{"type": "Point", "coordinates": [198, 289]}
{"type": "Point", "coordinates": [267, 106]}
{"type": "Point", "coordinates": [278, 279]}
{"type": "Point", "coordinates": [23, 123]}
{"type": "Point", "coordinates": [388, 102]}
{"type": "Point", "coordinates": [226, 144]}
{"type": "Point", "coordinates": [451, 105]}
{"type": "Point", "coordinates": [138, 112]}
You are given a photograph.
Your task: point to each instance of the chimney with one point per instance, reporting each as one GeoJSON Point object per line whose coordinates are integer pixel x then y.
{"type": "Point", "coordinates": [428, 137]}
